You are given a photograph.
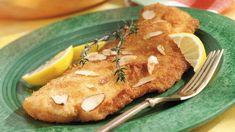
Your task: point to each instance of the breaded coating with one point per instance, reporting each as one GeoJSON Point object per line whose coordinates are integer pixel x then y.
{"type": "Point", "coordinates": [166, 73]}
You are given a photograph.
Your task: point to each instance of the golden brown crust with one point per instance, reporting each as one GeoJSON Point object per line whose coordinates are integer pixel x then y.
{"type": "Point", "coordinates": [178, 20]}
{"type": "Point", "coordinates": [169, 70]}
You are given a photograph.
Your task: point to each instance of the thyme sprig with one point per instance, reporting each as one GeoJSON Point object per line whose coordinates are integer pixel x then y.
{"type": "Point", "coordinates": [121, 34]}
{"type": "Point", "coordinates": [129, 27]}
{"type": "Point", "coordinates": [119, 72]}
{"type": "Point", "coordinates": [87, 48]}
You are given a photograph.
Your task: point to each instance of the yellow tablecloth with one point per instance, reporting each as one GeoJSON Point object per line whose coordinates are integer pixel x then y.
{"type": "Point", "coordinates": [10, 30]}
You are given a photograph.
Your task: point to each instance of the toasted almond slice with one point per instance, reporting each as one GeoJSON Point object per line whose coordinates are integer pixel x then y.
{"type": "Point", "coordinates": [143, 81]}
{"type": "Point", "coordinates": [152, 61]}
{"type": "Point", "coordinates": [60, 99]}
{"type": "Point", "coordinates": [95, 56]}
{"type": "Point", "coordinates": [90, 85]}
{"type": "Point", "coordinates": [148, 14]}
{"type": "Point", "coordinates": [86, 73]}
{"type": "Point", "coordinates": [161, 49]}
{"type": "Point", "coordinates": [103, 81]}
{"type": "Point", "coordinates": [126, 53]}
{"type": "Point", "coordinates": [127, 59]}
{"type": "Point", "coordinates": [152, 34]}
{"type": "Point", "coordinates": [90, 103]}
{"type": "Point", "coordinates": [108, 52]}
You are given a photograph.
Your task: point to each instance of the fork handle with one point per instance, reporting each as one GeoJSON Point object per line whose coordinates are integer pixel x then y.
{"type": "Point", "coordinates": [133, 111]}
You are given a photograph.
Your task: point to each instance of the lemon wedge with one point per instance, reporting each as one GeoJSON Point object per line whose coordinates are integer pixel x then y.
{"type": "Point", "coordinates": [192, 48]}
{"type": "Point", "coordinates": [79, 49]}
{"type": "Point", "coordinates": [51, 69]}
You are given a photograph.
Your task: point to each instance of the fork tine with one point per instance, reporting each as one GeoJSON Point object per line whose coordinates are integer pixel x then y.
{"type": "Point", "coordinates": [200, 78]}
{"type": "Point", "coordinates": [202, 71]}
{"type": "Point", "coordinates": [205, 78]}
{"type": "Point", "coordinates": [192, 80]}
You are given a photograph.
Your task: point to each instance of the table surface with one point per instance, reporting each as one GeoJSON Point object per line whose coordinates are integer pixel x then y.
{"type": "Point", "coordinates": [13, 29]}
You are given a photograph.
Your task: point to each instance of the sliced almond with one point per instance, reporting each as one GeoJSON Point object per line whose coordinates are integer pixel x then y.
{"type": "Point", "coordinates": [86, 73]}
{"type": "Point", "coordinates": [90, 103]}
{"type": "Point", "coordinates": [161, 49]}
{"type": "Point", "coordinates": [148, 14]}
{"type": "Point", "coordinates": [127, 59]}
{"type": "Point", "coordinates": [143, 81]}
{"type": "Point", "coordinates": [108, 52]}
{"type": "Point", "coordinates": [60, 99]}
{"type": "Point", "coordinates": [90, 85]}
{"type": "Point", "coordinates": [152, 61]}
{"type": "Point", "coordinates": [126, 53]}
{"type": "Point", "coordinates": [152, 34]}
{"type": "Point", "coordinates": [95, 56]}
{"type": "Point", "coordinates": [103, 81]}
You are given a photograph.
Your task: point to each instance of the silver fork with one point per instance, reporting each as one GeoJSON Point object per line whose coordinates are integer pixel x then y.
{"type": "Point", "coordinates": [196, 84]}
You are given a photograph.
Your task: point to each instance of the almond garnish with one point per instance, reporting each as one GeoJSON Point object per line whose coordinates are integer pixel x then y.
{"type": "Point", "coordinates": [152, 61]}
{"type": "Point", "coordinates": [127, 59]}
{"type": "Point", "coordinates": [108, 52]}
{"type": "Point", "coordinates": [60, 99]}
{"type": "Point", "coordinates": [143, 81]}
{"type": "Point", "coordinates": [90, 103]}
{"type": "Point", "coordinates": [126, 53]}
{"type": "Point", "coordinates": [90, 85]}
{"type": "Point", "coordinates": [148, 14]}
{"type": "Point", "coordinates": [103, 81]}
{"type": "Point", "coordinates": [152, 34]}
{"type": "Point", "coordinates": [161, 49]}
{"type": "Point", "coordinates": [86, 73]}
{"type": "Point", "coordinates": [95, 56]}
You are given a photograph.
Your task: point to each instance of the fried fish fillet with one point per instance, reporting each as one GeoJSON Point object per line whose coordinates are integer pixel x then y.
{"type": "Point", "coordinates": [170, 68]}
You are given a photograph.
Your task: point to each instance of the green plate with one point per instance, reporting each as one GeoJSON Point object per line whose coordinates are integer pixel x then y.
{"type": "Point", "coordinates": [30, 51]}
